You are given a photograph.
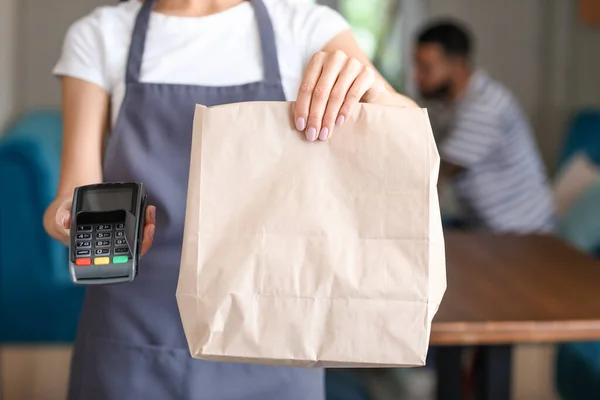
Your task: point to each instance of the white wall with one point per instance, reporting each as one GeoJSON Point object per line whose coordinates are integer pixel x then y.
{"type": "Point", "coordinates": [586, 83]}
{"type": "Point", "coordinates": [41, 31]}
{"type": "Point", "coordinates": [511, 44]}
{"type": "Point", "coordinates": [8, 42]}
{"type": "Point", "coordinates": [541, 52]}
{"type": "Point", "coordinates": [517, 66]}
{"type": "Point", "coordinates": [31, 35]}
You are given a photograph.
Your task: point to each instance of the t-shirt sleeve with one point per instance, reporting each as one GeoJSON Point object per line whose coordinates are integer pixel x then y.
{"type": "Point", "coordinates": [82, 54]}
{"type": "Point", "coordinates": [474, 135]}
{"type": "Point", "coordinates": [315, 26]}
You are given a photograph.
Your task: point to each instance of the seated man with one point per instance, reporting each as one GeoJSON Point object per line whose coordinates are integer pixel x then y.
{"type": "Point", "coordinates": [489, 151]}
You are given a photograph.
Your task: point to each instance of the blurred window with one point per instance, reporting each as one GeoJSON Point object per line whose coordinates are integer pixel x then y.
{"type": "Point", "coordinates": [377, 27]}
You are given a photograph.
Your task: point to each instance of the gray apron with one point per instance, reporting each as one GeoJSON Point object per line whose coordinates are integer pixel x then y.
{"type": "Point", "coordinates": [130, 343]}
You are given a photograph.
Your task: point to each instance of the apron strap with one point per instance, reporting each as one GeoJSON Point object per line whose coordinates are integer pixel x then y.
{"type": "Point", "coordinates": [267, 42]}
{"type": "Point", "coordinates": [265, 30]}
{"type": "Point", "coordinates": [138, 42]}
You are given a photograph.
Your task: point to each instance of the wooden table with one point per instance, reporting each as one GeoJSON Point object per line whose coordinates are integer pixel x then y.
{"type": "Point", "coordinates": [504, 290]}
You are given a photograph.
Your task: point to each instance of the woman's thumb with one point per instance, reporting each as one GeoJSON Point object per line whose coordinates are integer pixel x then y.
{"type": "Point", "coordinates": [371, 95]}
{"type": "Point", "coordinates": [63, 215]}
{"type": "Point", "coordinates": [66, 220]}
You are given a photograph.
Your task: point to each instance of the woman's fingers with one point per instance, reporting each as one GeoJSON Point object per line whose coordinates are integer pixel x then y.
{"type": "Point", "coordinates": [334, 63]}
{"type": "Point", "coordinates": [309, 81]}
{"type": "Point", "coordinates": [332, 84]}
{"type": "Point", "coordinates": [346, 78]}
{"type": "Point", "coordinates": [363, 82]}
{"type": "Point", "coordinates": [148, 237]}
{"type": "Point", "coordinates": [63, 219]}
{"type": "Point", "coordinates": [63, 223]}
{"type": "Point", "coordinates": [149, 229]}
{"type": "Point", "coordinates": [150, 215]}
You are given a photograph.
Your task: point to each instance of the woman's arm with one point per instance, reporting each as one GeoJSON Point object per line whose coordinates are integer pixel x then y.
{"type": "Point", "coordinates": [335, 80]}
{"type": "Point", "coordinates": [85, 116]}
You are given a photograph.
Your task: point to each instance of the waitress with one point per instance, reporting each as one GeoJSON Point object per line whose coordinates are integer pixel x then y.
{"type": "Point", "coordinates": [137, 69]}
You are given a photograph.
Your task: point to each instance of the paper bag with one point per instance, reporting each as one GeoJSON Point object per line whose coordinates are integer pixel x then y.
{"type": "Point", "coordinates": [311, 253]}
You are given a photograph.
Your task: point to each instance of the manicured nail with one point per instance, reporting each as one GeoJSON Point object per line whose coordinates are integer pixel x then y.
{"type": "Point", "coordinates": [311, 134]}
{"type": "Point", "coordinates": [300, 124]}
{"type": "Point", "coordinates": [323, 134]}
{"type": "Point", "coordinates": [340, 120]}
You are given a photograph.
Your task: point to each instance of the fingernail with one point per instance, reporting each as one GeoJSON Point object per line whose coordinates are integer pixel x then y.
{"type": "Point", "coordinates": [151, 232]}
{"type": "Point", "coordinates": [65, 222]}
{"type": "Point", "coordinates": [323, 134]}
{"type": "Point", "coordinates": [300, 124]}
{"type": "Point", "coordinates": [311, 134]}
{"type": "Point", "coordinates": [153, 212]}
{"type": "Point", "coordinates": [340, 120]}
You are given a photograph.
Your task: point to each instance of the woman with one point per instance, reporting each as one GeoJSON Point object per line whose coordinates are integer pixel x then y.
{"type": "Point", "coordinates": [140, 68]}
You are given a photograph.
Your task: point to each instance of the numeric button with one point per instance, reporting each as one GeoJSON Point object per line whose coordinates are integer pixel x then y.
{"type": "Point", "coordinates": [104, 227]}
{"type": "Point", "coordinates": [83, 245]}
{"type": "Point", "coordinates": [120, 226]}
{"type": "Point", "coordinates": [101, 252]}
{"type": "Point", "coordinates": [82, 236]}
{"type": "Point", "coordinates": [102, 243]}
{"type": "Point", "coordinates": [84, 228]}
{"type": "Point", "coordinates": [103, 235]}
{"type": "Point", "coordinates": [120, 242]}
{"type": "Point", "coordinates": [121, 250]}
{"type": "Point", "coordinates": [120, 234]}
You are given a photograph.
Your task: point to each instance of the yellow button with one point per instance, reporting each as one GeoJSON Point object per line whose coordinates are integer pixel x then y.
{"type": "Point", "coordinates": [101, 260]}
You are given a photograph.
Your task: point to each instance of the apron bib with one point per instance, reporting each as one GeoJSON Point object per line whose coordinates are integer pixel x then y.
{"type": "Point", "coordinates": [130, 344]}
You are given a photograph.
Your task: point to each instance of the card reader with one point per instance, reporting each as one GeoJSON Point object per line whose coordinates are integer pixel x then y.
{"type": "Point", "coordinates": [107, 223]}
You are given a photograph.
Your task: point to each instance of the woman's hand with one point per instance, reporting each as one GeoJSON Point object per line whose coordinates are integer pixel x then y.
{"type": "Point", "coordinates": [85, 114]}
{"type": "Point", "coordinates": [149, 229]}
{"type": "Point", "coordinates": [334, 83]}
{"type": "Point", "coordinates": [57, 222]}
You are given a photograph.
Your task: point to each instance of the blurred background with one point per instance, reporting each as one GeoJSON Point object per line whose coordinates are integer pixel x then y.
{"type": "Point", "coordinates": [541, 49]}
{"type": "Point", "coordinates": [546, 52]}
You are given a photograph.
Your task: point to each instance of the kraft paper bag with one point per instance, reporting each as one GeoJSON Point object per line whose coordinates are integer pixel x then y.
{"type": "Point", "coordinates": [327, 254]}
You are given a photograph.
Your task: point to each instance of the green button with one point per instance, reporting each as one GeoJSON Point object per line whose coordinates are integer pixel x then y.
{"type": "Point", "coordinates": [120, 259]}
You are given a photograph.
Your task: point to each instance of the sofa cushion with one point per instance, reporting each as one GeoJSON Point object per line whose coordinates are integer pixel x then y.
{"type": "Point", "coordinates": [577, 174]}
{"type": "Point", "coordinates": [578, 371]}
{"type": "Point", "coordinates": [581, 223]}
{"type": "Point", "coordinates": [38, 301]}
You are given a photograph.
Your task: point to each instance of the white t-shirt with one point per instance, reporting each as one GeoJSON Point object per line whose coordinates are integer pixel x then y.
{"type": "Point", "coordinates": [216, 50]}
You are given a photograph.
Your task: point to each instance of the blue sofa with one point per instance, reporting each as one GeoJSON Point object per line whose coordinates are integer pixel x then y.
{"type": "Point", "coordinates": [583, 134]}
{"type": "Point", "coordinates": [578, 364]}
{"type": "Point", "coordinates": [345, 384]}
{"type": "Point", "coordinates": [38, 302]}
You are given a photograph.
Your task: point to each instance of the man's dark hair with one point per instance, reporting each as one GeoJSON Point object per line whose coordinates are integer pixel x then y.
{"type": "Point", "coordinates": [454, 38]}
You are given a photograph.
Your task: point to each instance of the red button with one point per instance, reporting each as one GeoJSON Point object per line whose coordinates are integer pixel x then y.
{"type": "Point", "coordinates": [83, 261]}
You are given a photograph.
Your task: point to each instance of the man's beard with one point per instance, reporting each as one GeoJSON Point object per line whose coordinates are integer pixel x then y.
{"type": "Point", "coordinates": [440, 93]}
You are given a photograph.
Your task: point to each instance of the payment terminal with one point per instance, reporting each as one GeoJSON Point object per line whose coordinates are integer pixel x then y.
{"type": "Point", "coordinates": [107, 222]}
